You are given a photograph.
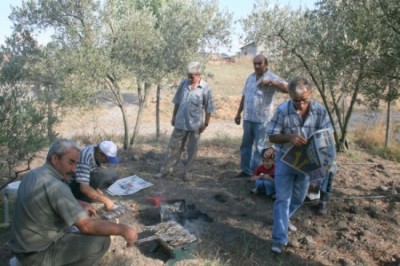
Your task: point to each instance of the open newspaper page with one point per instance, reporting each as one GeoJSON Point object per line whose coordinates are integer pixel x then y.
{"type": "Point", "coordinates": [127, 186]}
{"type": "Point", "coordinates": [314, 158]}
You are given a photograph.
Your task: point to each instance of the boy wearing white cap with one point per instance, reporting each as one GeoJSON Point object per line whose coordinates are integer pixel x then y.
{"type": "Point", "coordinates": [91, 174]}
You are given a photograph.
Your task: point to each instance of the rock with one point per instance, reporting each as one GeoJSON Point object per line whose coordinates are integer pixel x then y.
{"type": "Point", "coordinates": [383, 188]}
{"type": "Point", "coordinates": [353, 209]}
{"type": "Point", "coordinates": [345, 262]}
{"type": "Point", "coordinates": [373, 212]}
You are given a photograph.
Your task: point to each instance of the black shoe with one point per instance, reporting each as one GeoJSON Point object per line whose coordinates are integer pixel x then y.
{"type": "Point", "coordinates": [322, 209]}
{"type": "Point", "coordinates": [242, 174]}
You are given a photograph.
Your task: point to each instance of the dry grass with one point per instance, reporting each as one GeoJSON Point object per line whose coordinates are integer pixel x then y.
{"type": "Point", "coordinates": [371, 136]}
{"type": "Point", "coordinates": [228, 79]}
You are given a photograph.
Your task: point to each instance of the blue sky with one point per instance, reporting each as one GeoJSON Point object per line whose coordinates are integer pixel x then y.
{"type": "Point", "coordinates": [240, 9]}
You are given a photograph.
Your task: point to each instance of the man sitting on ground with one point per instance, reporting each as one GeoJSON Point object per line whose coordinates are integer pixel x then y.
{"type": "Point", "coordinates": [45, 211]}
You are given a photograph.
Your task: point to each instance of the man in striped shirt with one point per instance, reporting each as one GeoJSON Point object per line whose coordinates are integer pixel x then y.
{"type": "Point", "coordinates": [96, 171]}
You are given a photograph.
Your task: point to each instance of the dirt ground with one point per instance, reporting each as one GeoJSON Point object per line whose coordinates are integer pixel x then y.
{"type": "Point", "coordinates": [233, 227]}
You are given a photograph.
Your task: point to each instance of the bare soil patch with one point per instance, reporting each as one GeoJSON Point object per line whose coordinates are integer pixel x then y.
{"type": "Point", "coordinates": [356, 231]}
{"type": "Point", "coordinates": [362, 226]}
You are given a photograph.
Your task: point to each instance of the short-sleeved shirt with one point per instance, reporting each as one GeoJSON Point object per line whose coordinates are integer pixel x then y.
{"type": "Point", "coordinates": [44, 211]}
{"type": "Point", "coordinates": [287, 120]}
{"type": "Point", "coordinates": [192, 105]}
{"type": "Point", "coordinates": [87, 164]}
{"type": "Point", "coordinates": [259, 101]}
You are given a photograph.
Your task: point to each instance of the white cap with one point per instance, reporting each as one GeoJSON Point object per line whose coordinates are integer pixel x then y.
{"type": "Point", "coordinates": [109, 149]}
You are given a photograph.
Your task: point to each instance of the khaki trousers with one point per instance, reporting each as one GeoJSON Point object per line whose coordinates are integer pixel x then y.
{"type": "Point", "coordinates": [180, 138]}
{"type": "Point", "coordinates": [72, 249]}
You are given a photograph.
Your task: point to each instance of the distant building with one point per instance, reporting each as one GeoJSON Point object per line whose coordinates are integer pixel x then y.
{"type": "Point", "coordinates": [249, 49]}
{"type": "Point", "coordinates": [252, 49]}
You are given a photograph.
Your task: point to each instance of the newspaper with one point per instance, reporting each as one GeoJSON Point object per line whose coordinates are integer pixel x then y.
{"type": "Point", "coordinates": [127, 186]}
{"type": "Point", "coordinates": [314, 158]}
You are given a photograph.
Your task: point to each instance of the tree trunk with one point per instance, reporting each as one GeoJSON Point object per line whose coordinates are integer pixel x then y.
{"type": "Point", "coordinates": [158, 112]}
{"type": "Point", "coordinates": [142, 103]}
{"type": "Point", "coordinates": [388, 119]}
{"type": "Point", "coordinates": [342, 145]}
{"type": "Point", "coordinates": [126, 126]}
{"type": "Point", "coordinates": [51, 135]}
{"type": "Point", "coordinates": [116, 91]}
{"type": "Point", "coordinates": [121, 106]}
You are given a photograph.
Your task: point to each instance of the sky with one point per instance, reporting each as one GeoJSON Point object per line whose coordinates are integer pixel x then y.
{"type": "Point", "coordinates": [239, 8]}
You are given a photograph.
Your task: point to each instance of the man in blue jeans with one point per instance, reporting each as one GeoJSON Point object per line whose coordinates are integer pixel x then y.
{"type": "Point", "coordinates": [257, 105]}
{"type": "Point", "coordinates": [293, 123]}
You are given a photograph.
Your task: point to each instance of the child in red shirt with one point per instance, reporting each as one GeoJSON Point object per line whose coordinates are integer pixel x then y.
{"type": "Point", "coordinates": [264, 178]}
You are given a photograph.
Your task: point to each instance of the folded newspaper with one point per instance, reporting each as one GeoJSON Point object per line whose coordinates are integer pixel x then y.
{"type": "Point", "coordinates": [314, 158]}
{"type": "Point", "coordinates": [127, 186]}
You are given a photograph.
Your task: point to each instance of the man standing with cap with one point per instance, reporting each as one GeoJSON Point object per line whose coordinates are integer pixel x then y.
{"type": "Point", "coordinates": [92, 174]}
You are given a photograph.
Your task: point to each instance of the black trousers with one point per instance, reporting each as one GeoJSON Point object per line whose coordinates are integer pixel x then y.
{"type": "Point", "coordinates": [101, 178]}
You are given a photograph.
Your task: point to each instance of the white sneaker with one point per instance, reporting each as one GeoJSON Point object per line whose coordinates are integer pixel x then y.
{"type": "Point", "coordinates": [291, 227]}
{"type": "Point", "coordinates": [160, 175]}
{"type": "Point", "coordinates": [277, 248]}
{"type": "Point", "coordinates": [14, 262]}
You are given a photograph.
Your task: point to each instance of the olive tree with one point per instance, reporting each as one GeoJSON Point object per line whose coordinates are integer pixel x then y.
{"type": "Point", "coordinates": [24, 120]}
{"type": "Point", "coordinates": [330, 44]}
{"type": "Point", "coordinates": [105, 47]}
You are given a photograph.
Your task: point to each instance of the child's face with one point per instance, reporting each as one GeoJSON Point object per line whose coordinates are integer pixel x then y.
{"type": "Point", "coordinates": [267, 163]}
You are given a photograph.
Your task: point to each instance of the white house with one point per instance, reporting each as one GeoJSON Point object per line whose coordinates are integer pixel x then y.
{"type": "Point", "coordinates": [252, 49]}
{"type": "Point", "coordinates": [249, 49]}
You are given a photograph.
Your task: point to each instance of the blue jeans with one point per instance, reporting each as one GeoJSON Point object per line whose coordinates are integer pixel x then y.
{"type": "Point", "coordinates": [253, 142]}
{"type": "Point", "coordinates": [265, 185]}
{"type": "Point", "coordinates": [290, 191]}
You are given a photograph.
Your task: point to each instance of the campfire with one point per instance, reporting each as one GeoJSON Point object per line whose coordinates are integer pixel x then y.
{"type": "Point", "coordinates": [169, 234]}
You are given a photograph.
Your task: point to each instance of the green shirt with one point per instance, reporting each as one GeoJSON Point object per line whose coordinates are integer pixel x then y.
{"type": "Point", "coordinates": [44, 211]}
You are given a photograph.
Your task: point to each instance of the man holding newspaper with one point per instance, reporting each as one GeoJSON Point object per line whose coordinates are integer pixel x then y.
{"type": "Point", "coordinates": [301, 130]}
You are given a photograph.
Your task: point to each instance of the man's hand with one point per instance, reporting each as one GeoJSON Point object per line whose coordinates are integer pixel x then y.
{"type": "Point", "coordinates": [237, 119]}
{"type": "Point", "coordinates": [269, 153]}
{"type": "Point", "coordinates": [88, 208]}
{"type": "Point", "coordinates": [266, 82]}
{"type": "Point", "coordinates": [202, 128]}
{"type": "Point", "coordinates": [298, 140]}
{"type": "Point", "coordinates": [130, 234]}
{"type": "Point", "coordinates": [108, 204]}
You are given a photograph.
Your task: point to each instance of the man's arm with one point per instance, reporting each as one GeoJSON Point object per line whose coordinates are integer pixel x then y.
{"type": "Point", "coordinates": [296, 140]}
{"type": "Point", "coordinates": [206, 122]}
{"type": "Point", "coordinates": [176, 107]}
{"type": "Point", "coordinates": [99, 227]}
{"type": "Point", "coordinates": [282, 85]}
{"type": "Point", "coordinates": [93, 194]}
{"type": "Point", "coordinates": [240, 109]}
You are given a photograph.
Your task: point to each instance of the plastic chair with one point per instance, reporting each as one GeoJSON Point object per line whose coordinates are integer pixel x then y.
{"type": "Point", "coordinates": [9, 192]}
